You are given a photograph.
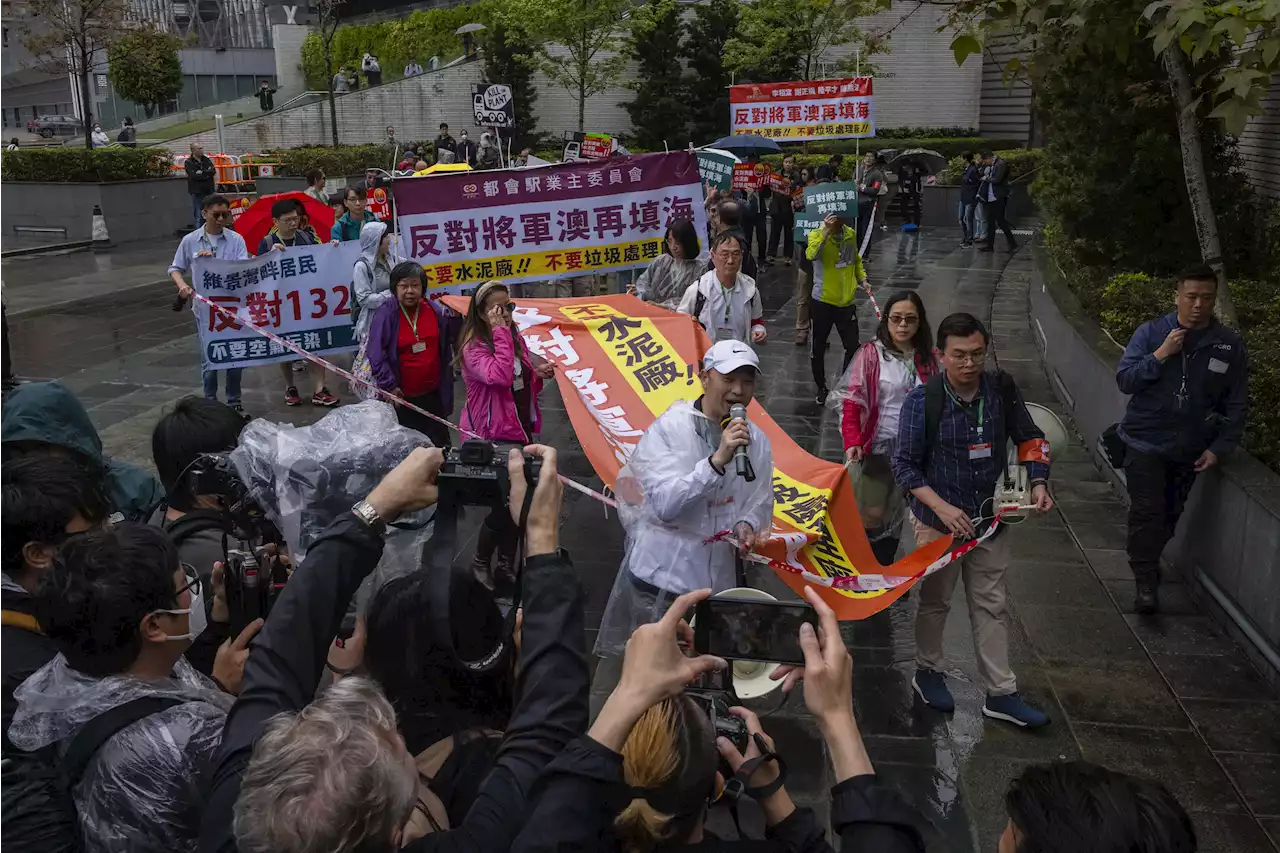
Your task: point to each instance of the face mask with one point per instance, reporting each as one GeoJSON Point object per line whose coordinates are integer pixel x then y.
{"type": "Point", "coordinates": [197, 619]}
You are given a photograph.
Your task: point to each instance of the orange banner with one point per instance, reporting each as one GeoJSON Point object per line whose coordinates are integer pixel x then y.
{"type": "Point", "coordinates": [624, 362]}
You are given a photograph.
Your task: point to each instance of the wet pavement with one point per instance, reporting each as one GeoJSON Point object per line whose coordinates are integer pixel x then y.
{"type": "Point", "coordinates": [1167, 696]}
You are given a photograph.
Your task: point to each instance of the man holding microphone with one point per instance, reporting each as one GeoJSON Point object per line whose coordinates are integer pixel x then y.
{"type": "Point", "coordinates": [700, 470]}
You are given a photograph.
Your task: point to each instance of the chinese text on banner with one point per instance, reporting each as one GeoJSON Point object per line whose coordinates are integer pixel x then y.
{"type": "Point", "coordinates": [816, 109]}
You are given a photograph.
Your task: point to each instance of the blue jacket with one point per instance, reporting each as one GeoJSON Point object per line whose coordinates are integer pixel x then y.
{"type": "Point", "coordinates": [1177, 422]}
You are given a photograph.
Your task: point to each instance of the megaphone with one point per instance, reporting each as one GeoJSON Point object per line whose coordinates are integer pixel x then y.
{"type": "Point", "coordinates": [751, 678]}
{"type": "Point", "coordinates": [1013, 491]}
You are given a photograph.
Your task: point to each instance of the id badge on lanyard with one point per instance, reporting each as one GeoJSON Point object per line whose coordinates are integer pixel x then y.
{"type": "Point", "coordinates": [979, 448]}
{"type": "Point", "coordinates": [724, 332]}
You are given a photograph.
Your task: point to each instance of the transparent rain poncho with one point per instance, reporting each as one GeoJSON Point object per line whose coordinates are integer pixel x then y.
{"type": "Point", "coordinates": [145, 787]}
{"type": "Point", "coordinates": [665, 280]}
{"type": "Point", "coordinates": [670, 501]}
{"type": "Point", "coordinates": [305, 477]}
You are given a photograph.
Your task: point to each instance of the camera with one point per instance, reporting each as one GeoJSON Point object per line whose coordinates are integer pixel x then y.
{"type": "Point", "coordinates": [715, 705]}
{"type": "Point", "coordinates": [251, 586]}
{"type": "Point", "coordinates": [475, 474]}
{"type": "Point", "coordinates": [214, 474]}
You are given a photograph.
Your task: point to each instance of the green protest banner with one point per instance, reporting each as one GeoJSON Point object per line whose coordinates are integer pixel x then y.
{"type": "Point", "coordinates": [841, 199]}
{"type": "Point", "coordinates": [716, 168]}
{"type": "Point", "coordinates": [805, 223]}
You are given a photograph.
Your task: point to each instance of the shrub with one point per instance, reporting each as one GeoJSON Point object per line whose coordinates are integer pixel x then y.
{"type": "Point", "coordinates": [1023, 162]}
{"type": "Point", "coordinates": [83, 166]}
{"type": "Point", "coordinates": [1131, 299]}
{"type": "Point", "coordinates": [343, 160]}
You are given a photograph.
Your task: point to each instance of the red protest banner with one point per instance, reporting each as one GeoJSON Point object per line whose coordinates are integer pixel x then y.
{"type": "Point", "coordinates": [751, 177]}
{"type": "Point", "coordinates": [817, 109]}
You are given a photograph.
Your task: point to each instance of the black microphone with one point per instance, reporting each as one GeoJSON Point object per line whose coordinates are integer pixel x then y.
{"type": "Point", "coordinates": [738, 412]}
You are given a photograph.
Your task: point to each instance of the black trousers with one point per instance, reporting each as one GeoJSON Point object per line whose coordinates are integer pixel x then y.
{"type": "Point", "coordinates": [434, 430]}
{"type": "Point", "coordinates": [1158, 490]}
{"type": "Point", "coordinates": [755, 226]}
{"type": "Point", "coordinates": [996, 219]}
{"type": "Point", "coordinates": [784, 226]}
{"type": "Point", "coordinates": [824, 317]}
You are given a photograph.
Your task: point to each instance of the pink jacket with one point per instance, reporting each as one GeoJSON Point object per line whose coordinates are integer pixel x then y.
{"type": "Point", "coordinates": [490, 411]}
{"type": "Point", "coordinates": [862, 405]}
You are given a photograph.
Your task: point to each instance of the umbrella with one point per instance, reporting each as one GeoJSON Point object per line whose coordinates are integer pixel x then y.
{"type": "Point", "coordinates": [747, 144]}
{"type": "Point", "coordinates": [932, 161]}
{"type": "Point", "coordinates": [442, 167]}
{"type": "Point", "coordinates": [255, 223]}
{"type": "Point", "coordinates": [468, 28]}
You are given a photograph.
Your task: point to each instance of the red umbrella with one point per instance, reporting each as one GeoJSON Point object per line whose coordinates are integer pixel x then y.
{"type": "Point", "coordinates": [255, 223]}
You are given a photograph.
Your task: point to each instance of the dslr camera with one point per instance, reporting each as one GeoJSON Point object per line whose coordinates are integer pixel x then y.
{"type": "Point", "coordinates": [475, 474]}
{"type": "Point", "coordinates": [715, 704]}
{"type": "Point", "coordinates": [252, 586]}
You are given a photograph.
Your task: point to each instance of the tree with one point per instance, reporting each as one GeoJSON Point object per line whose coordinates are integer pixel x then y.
{"type": "Point", "coordinates": [660, 111]}
{"type": "Point", "coordinates": [779, 40]}
{"type": "Point", "coordinates": [509, 58]}
{"type": "Point", "coordinates": [1218, 61]}
{"type": "Point", "coordinates": [583, 30]}
{"type": "Point", "coordinates": [707, 83]}
{"type": "Point", "coordinates": [328, 15]}
{"type": "Point", "coordinates": [143, 67]}
{"type": "Point", "coordinates": [68, 37]}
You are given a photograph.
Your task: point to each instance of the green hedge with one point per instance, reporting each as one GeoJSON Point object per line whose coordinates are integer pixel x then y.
{"type": "Point", "coordinates": [1023, 162]}
{"type": "Point", "coordinates": [84, 166]}
{"type": "Point", "coordinates": [343, 160]}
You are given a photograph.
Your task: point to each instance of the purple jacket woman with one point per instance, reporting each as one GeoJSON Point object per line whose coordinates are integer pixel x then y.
{"type": "Point", "coordinates": [381, 349]}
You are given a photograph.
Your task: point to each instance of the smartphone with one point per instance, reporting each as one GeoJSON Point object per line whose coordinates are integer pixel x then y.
{"type": "Point", "coordinates": [749, 629]}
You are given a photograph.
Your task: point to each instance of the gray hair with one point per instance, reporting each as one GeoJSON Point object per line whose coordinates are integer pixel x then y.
{"type": "Point", "coordinates": [329, 778]}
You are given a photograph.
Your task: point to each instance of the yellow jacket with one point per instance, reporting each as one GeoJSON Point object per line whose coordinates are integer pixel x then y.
{"type": "Point", "coordinates": [833, 284]}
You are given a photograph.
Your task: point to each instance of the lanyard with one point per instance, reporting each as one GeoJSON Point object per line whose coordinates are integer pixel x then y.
{"type": "Point", "coordinates": [728, 302]}
{"type": "Point", "coordinates": [413, 324]}
{"type": "Point", "coordinates": [982, 400]}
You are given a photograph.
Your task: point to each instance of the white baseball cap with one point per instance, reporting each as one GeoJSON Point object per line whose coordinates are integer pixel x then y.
{"type": "Point", "coordinates": [727, 356]}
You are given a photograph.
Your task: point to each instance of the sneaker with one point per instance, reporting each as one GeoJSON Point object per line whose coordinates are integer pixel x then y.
{"type": "Point", "coordinates": [291, 396]}
{"type": "Point", "coordinates": [822, 396]}
{"type": "Point", "coordinates": [324, 398]}
{"type": "Point", "coordinates": [300, 365]}
{"type": "Point", "coordinates": [767, 262]}
{"type": "Point", "coordinates": [1012, 709]}
{"type": "Point", "coordinates": [932, 688]}
{"type": "Point", "coordinates": [240, 409]}
{"type": "Point", "coordinates": [1146, 599]}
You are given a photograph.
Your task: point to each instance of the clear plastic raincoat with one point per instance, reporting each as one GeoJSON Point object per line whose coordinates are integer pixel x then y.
{"type": "Point", "coordinates": [144, 789]}
{"type": "Point", "coordinates": [670, 501]}
{"type": "Point", "coordinates": [666, 279]}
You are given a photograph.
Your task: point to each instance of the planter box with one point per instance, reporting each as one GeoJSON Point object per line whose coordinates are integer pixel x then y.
{"type": "Point", "coordinates": [941, 205]}
{"type": "Point", "coordinates": [134, 210]}
{"type": "Point", "coordinates": [267, 186]}
{"type": "Point", "coordinates": [1228, 545]}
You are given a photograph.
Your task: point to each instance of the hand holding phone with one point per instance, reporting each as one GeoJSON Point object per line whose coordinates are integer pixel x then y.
{"type": "Point", "coordinates": [750, 629]}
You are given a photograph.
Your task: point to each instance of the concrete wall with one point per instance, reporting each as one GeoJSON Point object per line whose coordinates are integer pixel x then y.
{"type": "Point", "coordinates": [1260, 143]}
{"type": "Point", "coordinates": [1230, 531]}
{"type": "Point", "coordinates": [287, 40]}
{"type": "Point", "coordinates": [134, 210]}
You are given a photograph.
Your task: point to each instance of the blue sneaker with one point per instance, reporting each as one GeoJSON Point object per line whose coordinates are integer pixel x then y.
{"type": "Point", "coordinates": [932, 687]}
{"type": "Point", "coordinates": [1012, 709]}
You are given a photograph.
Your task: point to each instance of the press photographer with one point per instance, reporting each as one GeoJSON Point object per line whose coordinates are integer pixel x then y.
{"type": "Point", "coordinates": [334, 774]}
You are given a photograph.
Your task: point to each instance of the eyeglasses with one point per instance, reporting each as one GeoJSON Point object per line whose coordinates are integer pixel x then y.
{"type": "Point", "coordinates": [903, 320]}
{"type": "Point", "coordinates": [220, 214]}
{"type": "Point", "coordinates": [192, 577]}
{"type": "Point", "coordinates": [973, 358]}
{"type": "Point", "coordinates": [289, 221]}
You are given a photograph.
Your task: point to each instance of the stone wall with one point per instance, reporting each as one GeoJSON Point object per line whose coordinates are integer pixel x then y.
{"type": "Point", "coordinates": [134, 210]}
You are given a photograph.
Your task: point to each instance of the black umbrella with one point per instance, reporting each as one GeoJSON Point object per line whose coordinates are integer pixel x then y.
{"type": "Point", "coordinates": [932, 161]}
{"type": "Point", "coordinates": [746, 145]}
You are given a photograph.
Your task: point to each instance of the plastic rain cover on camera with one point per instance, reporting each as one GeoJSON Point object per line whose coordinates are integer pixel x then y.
{"type": "Point", "coordinates": [305, 477]}
{"type": "Point", "coordinates": [143, 785]}
{"type": "Point", "coordinates": [670, 501]}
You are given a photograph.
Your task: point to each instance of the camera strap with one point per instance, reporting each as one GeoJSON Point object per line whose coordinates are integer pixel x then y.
{"type": "Point", "coordinates": [736, 787]}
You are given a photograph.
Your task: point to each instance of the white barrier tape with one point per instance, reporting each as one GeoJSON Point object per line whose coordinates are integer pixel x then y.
{"type": "Point", "coordinates": [386, 395]}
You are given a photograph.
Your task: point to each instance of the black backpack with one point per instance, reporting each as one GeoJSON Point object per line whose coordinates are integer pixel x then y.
{"type": "Point", "coordinates": [935, 395]}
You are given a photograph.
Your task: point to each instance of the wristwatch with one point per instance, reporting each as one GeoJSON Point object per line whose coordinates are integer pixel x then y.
{"type": "Point", "coordinates": [369, 517]}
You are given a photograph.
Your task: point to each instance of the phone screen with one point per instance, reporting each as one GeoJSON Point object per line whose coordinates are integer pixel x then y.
{"type": "Point", "coordinates": [744, 629]}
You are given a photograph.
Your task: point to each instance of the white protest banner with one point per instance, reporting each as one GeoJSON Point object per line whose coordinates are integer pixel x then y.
{"type": "Point", "coordinates": [812, 109]}
{"type": "Point", "coordinates": [559, 221]}
{"type": "Point", "coordinates": [303, 294]}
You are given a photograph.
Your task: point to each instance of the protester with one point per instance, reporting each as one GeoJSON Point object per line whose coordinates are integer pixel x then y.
{"type": "Point", "coordinates": [371, 68]}
{"type": "Point", "coordinates": [681, 487]}
{"type": "Point", "coordinates": [642, 777]}
{"type": "Point", "coordinates": [837, 272]}
{"type": "Point", "coordinates": [266, 97]}
{"type": "Point", "coordinates": [780, 208]}
{"type": "Point", "coordinates": [410, 352]}
{"type": "Point", "coordinates": [13, 144]}
{"type": "Point", "coordinates": [969, 206]}
{"type": "Point", "coordinates": [488, 155]}
{"type": "Point", "coordinates": [445, 142]}
{"type": "Point", "coordinates": [353, 78]}
{"type": "Point", "coordinates": [47, 499]}
{"type": "Point", "coordinates": [804, 271]}
{"type": "Point", "coordinates": [1070, 806]}
{"type": "Point", "coordinates": [128, 136]}
{"type": "Point", "coordinates": [911, 190]}
{"type": "Point", "coordinates": [201, 174]}
{"type": "Point", "coordinates": [1188, 377]}
{"type": "Point", "coordinates": [213, 240]}
{"type": "Point", "coordinates": [413, 69]}
{"type": "Point", "coordinates": [354, 217]}
{"type": "Point", "coordinates": [755, 214]}
{"type": "Point", "coordinates": [333, 774]}
{"type": "Point", "coordinates": [341, 85]}
{"type": "Point", "coordinates": [99, 136]}
{"type": "Point", "coordinates": [873, 389]}
{"type": "Point", "coordinates": [950, 461]}
{"type": "Point", "coordinates": [830, 170]}
{"type": "Point", "coordinates": [44, 419]}
{"type": "Point", "coordinates": [121, 610]}
{"type": "Point", "coordinates": [466, 150]}
{"type": "Point", "coordinates": [727, 218]}
{"type": "Point", "coordinates": [409, 162]}
{"type": "Point", "coordinates": [665, 281]}
{"type": "Point", "coordinates": [522, 159]}
{"type": "Point", "coordinates": [725, 301]}
{"type": "Point", "coordinates": [994, 195]}
{"type": "Point", "coordinates": [503, 382]}
{"type": "Point", "coordinates": [315, 186]}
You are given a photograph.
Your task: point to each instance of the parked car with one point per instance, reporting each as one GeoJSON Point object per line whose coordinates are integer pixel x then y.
{"type": "Point", "coordinates": [56, 125]}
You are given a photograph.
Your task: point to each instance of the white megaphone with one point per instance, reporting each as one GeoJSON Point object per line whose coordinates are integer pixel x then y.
{"type": "Point", "coordinates": [750, 677]}
{"type": "Point", "coordinates": [1013, 491]}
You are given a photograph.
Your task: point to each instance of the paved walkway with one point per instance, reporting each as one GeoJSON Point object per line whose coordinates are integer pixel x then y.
{"type": "Point", "coordinates": [1167, 696]}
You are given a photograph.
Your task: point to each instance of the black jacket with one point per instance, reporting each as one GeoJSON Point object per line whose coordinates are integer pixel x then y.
{"type": "Point", "coordinates": [997, 180]}
{"type": "Point", "coordinates": [584, 790]}
{"type": "Point", "coordinates": [289, 654]}
{"type": "Point", "coordinates": [201, 175]}
{"type": "Point", "coordinates": [37, 812]}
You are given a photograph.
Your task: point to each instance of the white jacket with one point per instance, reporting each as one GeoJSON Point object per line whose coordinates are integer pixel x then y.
{"type": "Point", "coordinates": [745, 311]}
{"type": "Point", "coordinates": [369, 63]}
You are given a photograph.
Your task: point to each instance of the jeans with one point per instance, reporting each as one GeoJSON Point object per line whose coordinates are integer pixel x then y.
{"type": "Point", "coordinates": [968, 212]}
{"type": "Point", "coordinates": [784, 227]}
{"type": "Point", "coordinates": [197, 214]}
{"type": "Point", "coordinates": [845, 321]}
{"type": "Point", "coordinates": [1158, 490]}
{"type": "Point", "coordinates": [210, 378]}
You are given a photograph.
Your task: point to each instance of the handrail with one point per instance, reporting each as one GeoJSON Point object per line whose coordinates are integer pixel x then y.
{"type": "Point", "coordinates": [297, 98]}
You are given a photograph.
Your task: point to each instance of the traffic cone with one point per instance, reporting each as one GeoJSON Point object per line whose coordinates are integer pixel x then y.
{"type": "Point", "coordinates": [101, 240]}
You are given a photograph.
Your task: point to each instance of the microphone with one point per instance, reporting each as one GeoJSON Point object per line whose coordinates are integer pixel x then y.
{"type": "Point", "coordinates": [738, 412]}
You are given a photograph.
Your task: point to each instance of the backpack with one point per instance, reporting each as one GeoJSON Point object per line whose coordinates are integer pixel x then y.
{"type": "Point", "coordinates": [935, 396]}
{"type": "Point", "coordinates": [196, 521]}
